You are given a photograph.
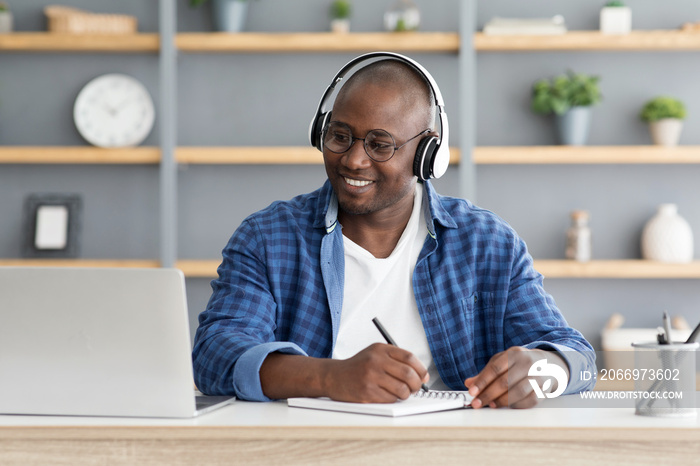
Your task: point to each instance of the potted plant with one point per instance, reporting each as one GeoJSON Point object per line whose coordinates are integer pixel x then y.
{"type": "Point", "coordinates": [665, 116]}
{"type": "Point", "coordinates": [402, 15]}
{"type": "Point", "coordinates": [569, 97]}
{"type": "Point", "coordinates": [340, 16]}
{"type": "Point", "coordinates": [5, 18]}
{"type": "Point", "coordinates": [229, 15]}
{"type": "Point", "coordinates": [615, 18]}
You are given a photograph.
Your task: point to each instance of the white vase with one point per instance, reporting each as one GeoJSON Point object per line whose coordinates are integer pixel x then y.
{"type": "Point", "coordinates": [667, 237]}
{"type": "Point", "coordinates": [5, 22]}
{"type": "Point", "coordinates": [341, 26]}
{"type": "Point", "coordinates": [666, 132]}
{"type": "Point", "coordinates": [615, 20]}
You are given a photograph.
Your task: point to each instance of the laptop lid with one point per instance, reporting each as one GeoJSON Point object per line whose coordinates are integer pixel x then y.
{"type": "Point", "coordinates": [95, 342]}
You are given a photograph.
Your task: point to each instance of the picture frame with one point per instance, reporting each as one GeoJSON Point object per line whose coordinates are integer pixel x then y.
{"type": "Point", "coordinates": [52, 225]}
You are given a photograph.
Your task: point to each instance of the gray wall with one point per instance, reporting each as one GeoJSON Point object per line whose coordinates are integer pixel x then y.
{"type": "Point", "coordinates": [268, 99]}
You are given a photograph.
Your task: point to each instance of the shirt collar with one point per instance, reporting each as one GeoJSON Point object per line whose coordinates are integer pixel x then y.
{"type": "Point", "coordinates": [327, 209]}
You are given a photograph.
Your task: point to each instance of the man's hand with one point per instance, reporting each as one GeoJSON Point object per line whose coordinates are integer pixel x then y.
{"type": "Point", "coordinates": [504, 380]}
{"type": "Point", "coordinates": [379, 373]}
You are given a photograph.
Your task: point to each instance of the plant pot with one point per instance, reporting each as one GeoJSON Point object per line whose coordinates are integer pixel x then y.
{"type": "Point", "coordinates": [667, 237]}
{"type": "Point", "coordinates": [573, 126]}
{"type": "Point", "coordinates": [402, 15]}
{"type": "Point", "coordinates": [666, 132]}
{"type": "Point", "coordinates": [616, 20]}
{"type": "Point", "coordinates": [341, 26]}
{"type": "Point", "coordinates": [230, 15]}
{"type": "Point", "coordinates": [5, 22]}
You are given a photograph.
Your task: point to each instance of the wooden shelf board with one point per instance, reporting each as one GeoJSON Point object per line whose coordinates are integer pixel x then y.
{"type": "Point", "coordinates": [78, 155]}
{"type": "Point", "coordinates": [55, 42]}
{"type": "Point", "coordinates": [589, 40]}
{"type": "Point", "coordinates": [317, 42]}
{"type": "Point", "coordinates": [616, 269]}
{"type": "Point", "coordinates": [135, 263]}
{"type": "Point", "coordinates": [198, 268]}
{"type": "Point", "coordinates": [494, 155]}
{"type": "Point", "coordinates": [296, 155]}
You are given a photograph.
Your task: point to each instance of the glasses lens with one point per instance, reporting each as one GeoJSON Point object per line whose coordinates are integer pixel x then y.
{"type": "Point", "coordinates": [338, 138]}
{"type": "Point", "coordinates": [379, 145]}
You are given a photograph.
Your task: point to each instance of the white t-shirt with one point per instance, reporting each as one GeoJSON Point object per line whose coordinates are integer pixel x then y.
{"type": "Point", "coordinates": [383, 288]}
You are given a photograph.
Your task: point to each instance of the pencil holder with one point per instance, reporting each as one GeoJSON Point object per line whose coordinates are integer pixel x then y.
{"type": "Point", "coordinates": [664, 379]}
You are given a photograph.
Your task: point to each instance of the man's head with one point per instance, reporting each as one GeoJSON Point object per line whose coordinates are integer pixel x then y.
{"type": "Point", "coordinates": [387, 95]}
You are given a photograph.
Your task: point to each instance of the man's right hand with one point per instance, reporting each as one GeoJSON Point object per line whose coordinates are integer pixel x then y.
{"type": "Point", "coordinates": [379, 373]}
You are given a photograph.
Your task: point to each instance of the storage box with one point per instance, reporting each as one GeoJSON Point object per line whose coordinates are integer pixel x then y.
{"type": "Point", "coordinates": [68, 20]}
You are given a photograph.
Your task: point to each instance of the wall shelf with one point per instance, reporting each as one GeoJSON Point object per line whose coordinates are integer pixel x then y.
{"type": "Point", "coordinates": [317, 42]}
{"type": "Point", "coordinates": [589, 40]}
{"type": "Point", "coordinates": [54, 42]}
{"type": "Point", "coordinates": [586, 155]}
{"type": "Point", "coordinates": [616, 269]}
{"type": "Point", "coordinates": [198, 268]}
{"type": "Point", "coordinates": [290, 155]}
{"type": "Point", "coordinates": [136, 263]}
{"type": "Point", "coordinates": [78, 155]}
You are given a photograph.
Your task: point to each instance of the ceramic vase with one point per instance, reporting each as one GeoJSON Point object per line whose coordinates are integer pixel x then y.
{"type": "Point", "coordinates": [616, 20]}
{"type": "Point", "coordinates": [341, 26]}
{"type": "Point", "coordinates": [230, 15]}
{"type": "Point", "coordinates": [5, 22]}
{"type": "Point", "coordinates": [667, 237]}
{"type": "Point", "coordinates": [666, 132]}
{"type": "Point", "coordinates": [573, 126]}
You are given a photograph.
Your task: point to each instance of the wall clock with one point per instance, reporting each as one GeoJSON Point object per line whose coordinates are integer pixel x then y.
{"type": "Point", "coordinates": [114, 110]}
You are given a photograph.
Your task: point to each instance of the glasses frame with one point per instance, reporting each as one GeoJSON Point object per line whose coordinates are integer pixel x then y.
{"type": "Point", "coordinates": [364, 140]}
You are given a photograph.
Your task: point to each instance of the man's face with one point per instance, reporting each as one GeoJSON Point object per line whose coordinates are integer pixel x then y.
{"type": "Point", "coordinates": [364, 186]}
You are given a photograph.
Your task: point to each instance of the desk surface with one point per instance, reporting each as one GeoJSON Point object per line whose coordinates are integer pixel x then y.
{"type": "Point", "coordinates": [265, 433]}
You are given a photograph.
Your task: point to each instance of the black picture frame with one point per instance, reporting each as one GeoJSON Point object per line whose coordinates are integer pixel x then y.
{"type": "Point", "coordinates": [32, 206]}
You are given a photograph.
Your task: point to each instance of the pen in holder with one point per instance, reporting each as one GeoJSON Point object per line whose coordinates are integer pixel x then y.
{"type": "Point", "coordinates": [664, 379]}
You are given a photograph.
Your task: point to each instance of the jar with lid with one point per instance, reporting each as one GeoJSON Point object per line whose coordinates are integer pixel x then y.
{"type": "Point", "coordinates": [578, 237]}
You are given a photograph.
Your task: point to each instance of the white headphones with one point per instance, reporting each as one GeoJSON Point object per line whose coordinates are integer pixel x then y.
{"type": "Point", "coordinates": [432, 154]}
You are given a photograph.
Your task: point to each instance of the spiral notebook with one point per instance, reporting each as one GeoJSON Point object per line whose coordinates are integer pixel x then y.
{"type": "Point", "coordinates": [418, 403]}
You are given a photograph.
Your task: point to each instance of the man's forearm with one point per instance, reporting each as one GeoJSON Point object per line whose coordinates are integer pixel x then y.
{"type": "Point", "coordinates": [290, 375]}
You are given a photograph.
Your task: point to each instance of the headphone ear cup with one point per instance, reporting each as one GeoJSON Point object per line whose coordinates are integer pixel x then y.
{"type": "Point", "coordinates": [317, 130]}
{"type": "Point", "coordinates": [423, 161]}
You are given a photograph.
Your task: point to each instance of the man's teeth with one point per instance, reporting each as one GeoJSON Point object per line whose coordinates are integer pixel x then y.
{"type": "Point", "coordinates": [357, 183]}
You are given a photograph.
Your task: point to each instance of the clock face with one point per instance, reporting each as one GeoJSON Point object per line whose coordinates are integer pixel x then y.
{"type": "Point", "coordinates": [114, 110]}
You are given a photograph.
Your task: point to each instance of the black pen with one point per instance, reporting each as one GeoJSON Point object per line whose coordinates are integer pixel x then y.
{"type": "Point", "coordinates": [391, 341]}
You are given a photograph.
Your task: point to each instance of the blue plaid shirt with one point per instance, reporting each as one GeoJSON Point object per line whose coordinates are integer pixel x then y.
{"type": "Point", "coordinates": [280, 288]}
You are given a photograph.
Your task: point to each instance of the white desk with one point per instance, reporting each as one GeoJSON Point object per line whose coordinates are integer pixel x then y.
{"type": "Point", "coordinates": [272, 433]}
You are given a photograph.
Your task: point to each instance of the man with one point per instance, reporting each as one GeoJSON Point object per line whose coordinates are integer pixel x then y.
{"type": "Point", "coordinates": [291, 312]}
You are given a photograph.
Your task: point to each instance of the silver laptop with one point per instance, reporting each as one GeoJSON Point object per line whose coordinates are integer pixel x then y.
{"type": "Point", "coordinates": [96, 342]}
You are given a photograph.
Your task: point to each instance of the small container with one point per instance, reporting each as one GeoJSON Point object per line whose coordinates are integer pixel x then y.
{"type": "Point", "coordinates": [578, 237]}
{"type": "Point", "coordinates": [402, 15]}
{"type": "Point", "coordinates": [664, 379]}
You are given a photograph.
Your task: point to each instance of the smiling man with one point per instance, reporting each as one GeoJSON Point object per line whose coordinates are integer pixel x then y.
{"type": "Point", "coordinates": [300, 282]}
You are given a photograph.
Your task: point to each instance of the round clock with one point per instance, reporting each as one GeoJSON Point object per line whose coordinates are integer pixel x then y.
{"type": "Point", "coordinates": [114, 110]}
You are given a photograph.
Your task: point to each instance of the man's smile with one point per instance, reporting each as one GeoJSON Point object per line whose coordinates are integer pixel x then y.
{"type": "Point", "coordinates": [357, 183]}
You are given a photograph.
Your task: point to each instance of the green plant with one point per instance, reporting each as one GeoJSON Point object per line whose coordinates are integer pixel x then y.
{"type": "Point", "coordinates": [662, 107]}
{"type": "Point", "coordinates": [341, 9]}
{"type": "Point", "coordinates": [4, 6]}
{"type": "Point", "coordinates": [559, 94]}
{"type": "Point", "coordinates": [615, 3]}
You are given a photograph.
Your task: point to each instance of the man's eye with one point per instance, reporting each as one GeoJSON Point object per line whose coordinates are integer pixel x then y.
{"type": "Point", "coordinates": [341, 137]}
{"type": "Point", "coordinates": [379, 146]}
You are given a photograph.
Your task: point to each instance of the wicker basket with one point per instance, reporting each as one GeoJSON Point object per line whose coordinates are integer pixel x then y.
{"type": "Point", "coordinates": [62, 19]}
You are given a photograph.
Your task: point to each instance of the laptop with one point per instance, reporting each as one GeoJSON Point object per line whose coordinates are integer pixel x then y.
{"type": "Point", "coordinates": [97, 342]}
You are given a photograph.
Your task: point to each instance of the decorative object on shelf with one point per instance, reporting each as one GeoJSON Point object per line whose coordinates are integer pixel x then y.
{"type": "Point", "coordinates": [615, 18]}
{"type": "Point", "coordinates": [5, 18]}
{"type": "Point", "coordinates": [402, 15]}
{"type": "Point", "coordinates": [691, 27]}
{"type": "Point", "coordinates": [340, 16]}
{"type": "Point", "coordinates": [578, 237]}
{"type": "Point", "coordinates": [525, 26]}
{"type": "Point", "coordinates": [667, 237]}
{"type": "Point", "coordinates": [114, 110]}
{"type": "Point", "coordinates": [569, 97]}
{"type": "Point", "coordinates": [52, 225]}
{"type": "Point", "coordinates": [665, 116]}
{"type": "Point", "coordinates": [68, 20]}
{"type": "Point", "coordinates": [229, 15]}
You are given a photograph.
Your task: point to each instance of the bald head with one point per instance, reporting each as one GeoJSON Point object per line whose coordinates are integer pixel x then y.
{"type": "Point", "coordinates": [415, 92]}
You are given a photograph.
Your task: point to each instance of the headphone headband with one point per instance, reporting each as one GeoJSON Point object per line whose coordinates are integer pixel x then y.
{"type": "Point", "coordinates": [440, 158]}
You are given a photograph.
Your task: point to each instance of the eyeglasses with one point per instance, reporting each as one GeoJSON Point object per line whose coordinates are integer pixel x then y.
{"type": "Point", "coordinates": [380, 146]}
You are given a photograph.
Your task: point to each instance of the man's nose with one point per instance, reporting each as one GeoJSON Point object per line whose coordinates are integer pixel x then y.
{"type": "Point", "coordinates": [356, 158]}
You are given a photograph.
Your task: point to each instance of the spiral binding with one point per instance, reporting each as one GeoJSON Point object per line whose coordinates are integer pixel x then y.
{"type": "Point", "coordinates": [443, 395]}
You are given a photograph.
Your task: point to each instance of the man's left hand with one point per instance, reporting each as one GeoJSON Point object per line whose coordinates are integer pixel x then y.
{"type": "Point", "coordinates": [504, 380]}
